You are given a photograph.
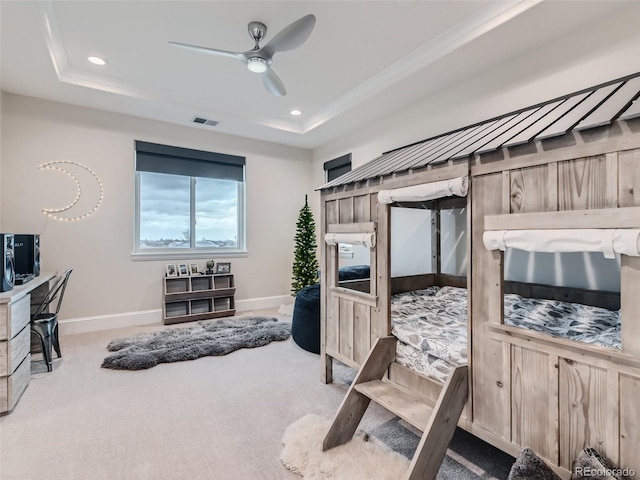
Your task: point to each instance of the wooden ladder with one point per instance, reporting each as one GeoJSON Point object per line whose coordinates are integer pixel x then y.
{"type": "Point", "coordinates": [437, 422]}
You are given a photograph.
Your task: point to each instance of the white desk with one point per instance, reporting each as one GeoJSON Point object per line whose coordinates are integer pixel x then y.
{"type": "Point", "coordinates": [15, 338]}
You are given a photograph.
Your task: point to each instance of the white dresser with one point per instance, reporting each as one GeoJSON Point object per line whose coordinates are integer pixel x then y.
{"type": "Point", "coordinates": [15, 338]}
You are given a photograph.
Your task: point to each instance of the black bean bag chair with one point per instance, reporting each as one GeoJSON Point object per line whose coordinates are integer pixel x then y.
{"type": "Point", "coordinates": [305, 323]}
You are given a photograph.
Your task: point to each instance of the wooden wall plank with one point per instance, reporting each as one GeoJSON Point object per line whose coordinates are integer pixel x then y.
{"type": "Point", "coordinates": [552, 186]}
{"type": "Point", "coordinates": [331, 212]}
{"type": "Point", "coordinates": [491, 405]}
{"type": "Point", "coordinates": [333, 326]}
{"type": "Point", "coordinates": [611, 179]}
{"type": "Point", "coordinates": [628, 217]}
{"type": "Point", "coordinates": [585, 411]}
{"type": "Point", "coordinates": [361, 209]}
{"type": "Point", "coordinates": [629, 178]}
{"type": "Point", "coordinates": [381, 272]}
{"type": "Point", "coordinates": [326, 363]}
{"type": "Point", "coordinates": [629, 422]}
{"type": "Point", "coordinates": [612, 428]}
{"type": "Point", "coordinates": [361, 332]}
{"type": "Point", "coordinates": [506, 191]}
{"type": "Point", "coordinates": [584, 183]}
{"type": "Point", "coordinates": [529, 190]}
{"type": "Point", "coordinates": [532, 401]}
{"type": "Point", "coordinates": [360, 227]}
{"type": "Point", "coordinates": [345, 214]}
{"type": "Point", "coordinates": [629, 304]}
{"type": "Point", "coordinates": [345, 309]}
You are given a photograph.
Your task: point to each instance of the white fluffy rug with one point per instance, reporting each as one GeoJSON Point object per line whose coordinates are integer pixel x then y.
{"type": "Point", "coordinates": [362, 458]}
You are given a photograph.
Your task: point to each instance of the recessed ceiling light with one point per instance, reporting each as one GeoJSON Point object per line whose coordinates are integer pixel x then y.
{"type": "Point", "coordinates": [295, 112]}
{"type": "Point", "coordinates": [97, 61]}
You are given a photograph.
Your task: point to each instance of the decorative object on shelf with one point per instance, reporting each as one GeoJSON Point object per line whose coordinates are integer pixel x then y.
{"type": "Point", "coordinates": [52, 212]}
{"type": "Point", "coordinates": [305, 263]}
{"type": "Point", "coordinates": [183, 271]}
{"type": "Point", "coordinates": [223, 267]}
{"type": "Point", "coordinates": [194, 269]}
{"type": "Point", "coordinates": [205, 339]}
{"type": "Point", "coordinates": [210, 264]}
{"type": "Point", "coordinates": [172, 271]}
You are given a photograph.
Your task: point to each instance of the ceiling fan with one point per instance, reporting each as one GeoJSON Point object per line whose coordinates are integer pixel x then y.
{"type": "Point", "coordinates": [259, 59]}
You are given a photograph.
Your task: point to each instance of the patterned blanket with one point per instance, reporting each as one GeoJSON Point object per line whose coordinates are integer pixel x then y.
{"type": "Point", "coordinates": [431, 325]}
{"type": "Point", "coordinates": [583, 323]}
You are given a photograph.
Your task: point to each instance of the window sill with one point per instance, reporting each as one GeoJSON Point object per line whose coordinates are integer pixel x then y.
{"type": "Point", "coordinates": [188, 255]}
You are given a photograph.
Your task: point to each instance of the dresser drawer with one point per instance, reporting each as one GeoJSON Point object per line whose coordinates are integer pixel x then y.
{"type": "Point", "coordinates": [14, 316]}
{"type": "Point", "coordinates": [13, 351]}
{"type": "Point", "coordinates": [12, 387]}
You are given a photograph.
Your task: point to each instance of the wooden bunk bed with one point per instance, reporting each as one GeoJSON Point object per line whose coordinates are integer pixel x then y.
{"type": "Point", "coordinates": [570, 163]}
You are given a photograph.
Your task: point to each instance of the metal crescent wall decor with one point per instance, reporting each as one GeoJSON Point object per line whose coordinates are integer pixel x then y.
{"type": "Point", "coordinates": [52, 212]}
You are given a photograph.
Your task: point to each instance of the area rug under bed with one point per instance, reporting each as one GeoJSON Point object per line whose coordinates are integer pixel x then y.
{"type": "Point", "coordinates": [213, 338]}
{"type": "Point", "coordinates": [384, 453]}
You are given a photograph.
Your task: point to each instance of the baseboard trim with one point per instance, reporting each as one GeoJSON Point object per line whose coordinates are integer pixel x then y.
{"type": "Point", "coordinates": [154, 317]}
{"type": "Point", "coordinates": [263, 303]}
{"type": "Point", "coordinates": [107, 322]}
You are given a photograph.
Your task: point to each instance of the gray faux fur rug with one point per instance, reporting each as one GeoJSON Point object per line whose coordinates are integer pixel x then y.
{"type": "Point", "coordinates": [213, 338]}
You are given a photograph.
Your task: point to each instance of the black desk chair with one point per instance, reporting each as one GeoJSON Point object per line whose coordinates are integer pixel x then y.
{"type": "Point", "coordinates": [45, 324]}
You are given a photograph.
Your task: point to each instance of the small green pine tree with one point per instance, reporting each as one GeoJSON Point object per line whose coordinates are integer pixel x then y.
{"type": "Point", "coordinates": [305, 263]}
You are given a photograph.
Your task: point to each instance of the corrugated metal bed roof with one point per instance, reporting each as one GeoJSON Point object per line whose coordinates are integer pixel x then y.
{"type": "Point", "coordinates": [588, 108]}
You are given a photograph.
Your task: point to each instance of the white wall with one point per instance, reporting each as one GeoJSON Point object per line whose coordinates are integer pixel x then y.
{"type": "Point", "coordinates": [582, 59]}
{"type": "Point", "coordinates": [453, 240]}
{"type": "Point", "coordinates": [105, 280]}
{"type": "Point", "coordinates": [580, 270]}
{"type": "Point", "coordinates": [593, 55]}
{"type": "Point", "coordinates": [410, 241]}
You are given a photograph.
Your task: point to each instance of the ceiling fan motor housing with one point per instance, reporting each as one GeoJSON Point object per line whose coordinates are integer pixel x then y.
{"type": "Point", "coordinates": [257, 31]}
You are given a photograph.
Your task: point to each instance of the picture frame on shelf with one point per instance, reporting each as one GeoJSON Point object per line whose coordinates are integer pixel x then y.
{"type": "Point", "coordinates": [223, 267]}
{"type": "Point", "coordinates": [194, 269]}
{"type": "Point", "coordinates": [183, 270]}
{"type": "Point", "coordinates": [172, 271]}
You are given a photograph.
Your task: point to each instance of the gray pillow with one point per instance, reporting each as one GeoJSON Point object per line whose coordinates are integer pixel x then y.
{"type": "Point", "coordinates": [528, 466]}
{"type": "Point", "coordinates": [592, 465]}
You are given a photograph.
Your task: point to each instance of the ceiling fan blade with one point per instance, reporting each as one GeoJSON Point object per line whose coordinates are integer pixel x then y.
{"type": "Point", "coordinates": [209, 51]}
{"type": "Point", "coordinates": [291, 37]}
{"type": "Point", "coordinates": [273, 83]}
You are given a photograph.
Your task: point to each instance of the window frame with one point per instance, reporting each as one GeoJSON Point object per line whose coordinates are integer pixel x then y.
{"type": "Point", "coordinates": [337, 167]}
{"type": "Point", "coordinates": [192, 252]}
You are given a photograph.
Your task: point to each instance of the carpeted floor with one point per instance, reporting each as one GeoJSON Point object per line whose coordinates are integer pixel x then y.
{"type": "Point", "coordinates": [216, 418]}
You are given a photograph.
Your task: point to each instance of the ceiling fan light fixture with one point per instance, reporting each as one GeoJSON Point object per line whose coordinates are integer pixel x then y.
{"type": "Point", "coordinates": [257, 64]}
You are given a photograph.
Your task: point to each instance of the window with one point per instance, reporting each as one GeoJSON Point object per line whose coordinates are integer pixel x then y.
{"type": "Point", "coordinates": [337, 167]}
{"type": "Point", "coordinates": [188, 202]}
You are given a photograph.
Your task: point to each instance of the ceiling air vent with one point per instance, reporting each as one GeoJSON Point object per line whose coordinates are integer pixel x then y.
{"type": "Point", "coordinates": [204, 121]}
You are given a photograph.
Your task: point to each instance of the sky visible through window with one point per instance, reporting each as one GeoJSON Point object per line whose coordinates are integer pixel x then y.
{"type": "Point", "coordinates": [165, 211]}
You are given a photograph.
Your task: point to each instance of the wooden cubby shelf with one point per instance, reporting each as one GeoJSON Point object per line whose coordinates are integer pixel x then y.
{"type": "Point", "coordinates": [198, 297]}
